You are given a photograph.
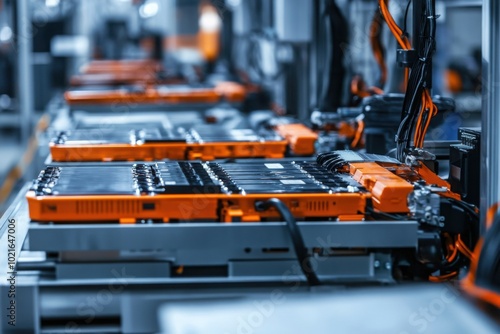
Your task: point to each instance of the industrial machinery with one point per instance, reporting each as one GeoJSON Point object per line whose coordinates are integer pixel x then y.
{"type": "Point", "coordinates": [339, 186]}
{"type": "Point", "coordinates": [465, 164]}
{"type": "Point", "coordinates": [375, 119]}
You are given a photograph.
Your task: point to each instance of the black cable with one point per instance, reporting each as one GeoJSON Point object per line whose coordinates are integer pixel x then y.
{"type": "Point", "coordinates": [467, 207]}
{"type": "Point", "coordinates": [410, 105]}
{"type": "Point", "coordinates": [405, 26]}
{"type": "Point", "coordinates": [298, 242]}
{"type": "Point", "coordinates": [472, 233]}
{"type": "Point", "coordinates": [417, 81]}
{"type": "Point", "coordinates": [458, 262]}
{"type": "Point", "coordinates": [469, 236]}
{"type": "Point", "coordinates": [412, 101]}
{"type": "Point", "coordinates": [335, 30]}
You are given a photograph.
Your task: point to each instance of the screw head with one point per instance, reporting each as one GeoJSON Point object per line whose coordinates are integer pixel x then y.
{"type": "Point", "coordinates": [376, 264]}
{"type": "Point", "coordinates": [388, 266]}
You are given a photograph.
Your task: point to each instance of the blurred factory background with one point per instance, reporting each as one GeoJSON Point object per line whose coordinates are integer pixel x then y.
{"type": "Point", "coordinates": [62, 35]}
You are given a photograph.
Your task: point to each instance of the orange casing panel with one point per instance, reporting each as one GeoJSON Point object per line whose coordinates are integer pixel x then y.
{"type": "Point", "coordinates": [120, 66]}
{"type": "Point", "coordinates": [172, 151]}
{"type": "Point", "coordinates": [129, 208]}
{"type": "Point", "coordinates": [149, 96]}
{"type": "Point", "coordinates": [231, 92]}
{"type": "Point", "coordinates": [123, 208]}
{"type": "Point", "coordinates": [300, 138]}
{"type": "Point", "coordinates": [389, 191]}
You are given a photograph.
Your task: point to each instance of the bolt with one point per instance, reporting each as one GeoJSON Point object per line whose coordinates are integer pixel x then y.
{"type": "Point", "coordinates": [388, 266]}
{"type": "Point", "coordinates": [376, 264]}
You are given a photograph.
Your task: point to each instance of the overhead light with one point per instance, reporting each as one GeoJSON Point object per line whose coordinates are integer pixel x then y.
{"type": "Point", "coordinates": [52, 3]}
{"type": "Point", "coordinates": [149, 9]}
{"type": "Point", "coordinates": [5, 34]}
{"type": "Point", "coordinates": [5, 101]}
{"type": "Point", "coordinates": [233, 3]}
{"type": "Point", "coordinates": [210, 21]}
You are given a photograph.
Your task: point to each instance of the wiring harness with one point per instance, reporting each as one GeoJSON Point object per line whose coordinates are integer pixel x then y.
{"type": "Point", "coordinates": [418, 108]}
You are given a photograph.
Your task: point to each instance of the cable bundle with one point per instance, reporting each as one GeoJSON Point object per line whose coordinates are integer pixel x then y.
{"type": "Point", "coordinates": [418, 108]}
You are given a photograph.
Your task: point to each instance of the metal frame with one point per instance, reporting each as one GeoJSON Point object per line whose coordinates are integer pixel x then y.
{"type": "Point", "coordinates": [490, 162]}
{"type": "Point", "coordinates": [202, 236]}
{"type": "Point", "coordinates": [24, 68]}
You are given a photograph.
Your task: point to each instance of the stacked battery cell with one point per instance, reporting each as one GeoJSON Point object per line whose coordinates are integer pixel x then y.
{"type": "Point", "coordinates": [153, 142]}
{"type": "Point", "coordinates": [170, 191]}
{"type": "Point", "coordinates": [137, 179]}
{"type": "Point", "coordinates": [280, 178]}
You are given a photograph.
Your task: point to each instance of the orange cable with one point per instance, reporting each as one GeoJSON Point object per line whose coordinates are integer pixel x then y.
{"type": "Point", "coordinates": [464, 249]}
{"type": "Point", "coordinates": [359, 133]}
{"type": "Point", "coordinates": [396, 31]}
{"type": "Point", "coordinates": [377, 50]}
{"type": "Point", "coordinates": [442, 278]}
{"type": "Point", "coordinates": [451, 248]}
{"type": "Point", "coordinates": [490, 214]}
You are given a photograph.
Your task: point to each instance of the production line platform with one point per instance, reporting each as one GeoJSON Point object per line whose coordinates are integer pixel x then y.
{"type": "Point", "coordinates": [62, 266]}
